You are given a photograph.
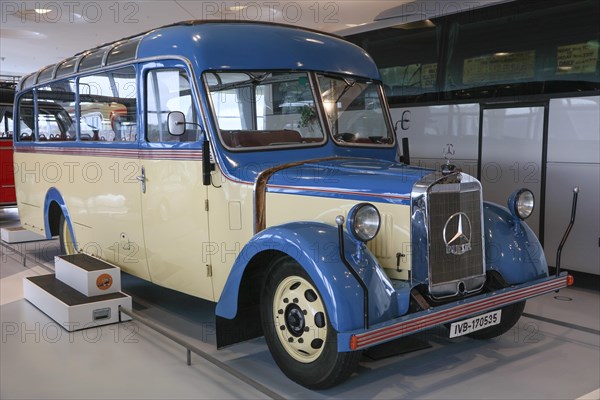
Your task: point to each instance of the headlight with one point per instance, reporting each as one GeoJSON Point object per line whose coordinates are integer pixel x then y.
{"type": "Point", "coordinates": [521, 203]}
{"type": "Point", "coordinates": [363, 222]}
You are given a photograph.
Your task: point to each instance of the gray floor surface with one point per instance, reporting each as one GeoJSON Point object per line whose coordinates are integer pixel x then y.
{"type": "Point", "coordinates": [553, 352]}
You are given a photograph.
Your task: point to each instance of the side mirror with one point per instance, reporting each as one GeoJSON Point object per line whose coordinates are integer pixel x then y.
{"type": "Point", "coordinates": [176, 123]}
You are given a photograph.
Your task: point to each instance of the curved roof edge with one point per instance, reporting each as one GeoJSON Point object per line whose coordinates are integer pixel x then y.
{"type": "Point", "coordinates": [109, 53]}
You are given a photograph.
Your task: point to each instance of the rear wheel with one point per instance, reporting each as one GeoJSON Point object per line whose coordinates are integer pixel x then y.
{"type": "Point", "coordinates": [298, 331]}
{"type": "Point", "coordinates": [67, 245]}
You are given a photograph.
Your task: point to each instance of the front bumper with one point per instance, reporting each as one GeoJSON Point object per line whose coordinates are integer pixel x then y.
{"type": "Point", "coordinates": [409, 324]}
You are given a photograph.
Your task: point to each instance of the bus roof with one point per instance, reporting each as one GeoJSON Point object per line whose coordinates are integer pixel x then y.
{"type": "Point", "coordinates": [222, 45]}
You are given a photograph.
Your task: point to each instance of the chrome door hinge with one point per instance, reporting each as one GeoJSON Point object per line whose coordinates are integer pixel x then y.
{"type": "Point", "coordinates": [142, 179]}
{"type": "Point", "coordinates": [208, 270]}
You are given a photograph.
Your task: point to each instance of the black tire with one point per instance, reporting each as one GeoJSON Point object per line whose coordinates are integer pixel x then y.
{"type": "Point", "coordinates": [64, 237]}
{"type": "Point", "coordinates": [509, 317]}
{"type": "Point", "coordinates": [320, 365]}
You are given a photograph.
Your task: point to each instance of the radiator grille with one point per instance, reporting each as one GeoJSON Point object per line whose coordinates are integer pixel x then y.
{"type": "Point", "coordinates": [455, 251]}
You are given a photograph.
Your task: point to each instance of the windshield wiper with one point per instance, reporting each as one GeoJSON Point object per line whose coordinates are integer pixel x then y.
{"type": "Point", "coordinates": [349, 83]}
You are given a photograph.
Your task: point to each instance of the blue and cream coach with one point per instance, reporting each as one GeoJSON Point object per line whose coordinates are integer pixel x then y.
{"type": "Point", "coordinates": [255, 165]}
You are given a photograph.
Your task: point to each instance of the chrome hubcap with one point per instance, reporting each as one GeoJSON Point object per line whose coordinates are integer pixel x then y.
{"type": "Point", "coordinates": [294, 320]}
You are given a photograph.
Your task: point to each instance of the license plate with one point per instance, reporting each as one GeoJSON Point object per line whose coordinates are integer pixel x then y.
{"type": "Point", "coordinates": [477, 323]}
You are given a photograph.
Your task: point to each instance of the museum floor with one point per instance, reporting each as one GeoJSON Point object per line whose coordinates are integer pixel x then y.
{"type": "Point", "coordinates": [553, 353]}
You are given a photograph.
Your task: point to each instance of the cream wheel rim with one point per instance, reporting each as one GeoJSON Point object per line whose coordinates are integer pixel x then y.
{"type": "Point", "coordinates": [68, 239]}
{"type": "Point", "coordinates": [300, 319]}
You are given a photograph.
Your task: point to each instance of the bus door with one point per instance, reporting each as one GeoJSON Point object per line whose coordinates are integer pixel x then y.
{"type": "Point", "coordinates": [511, 153]}
{"type": "Point", "coordinates": [173, 197]}
{"type": "Point", "coordinates": [107, 224]}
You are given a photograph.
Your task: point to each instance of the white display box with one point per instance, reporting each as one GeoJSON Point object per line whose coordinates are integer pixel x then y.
{"type": "Point", "coordinates": [18, 234]}
{"type": "Point", "coordinates": [70, 308]}
{"type": "Point", "coordinates": [89, 275]}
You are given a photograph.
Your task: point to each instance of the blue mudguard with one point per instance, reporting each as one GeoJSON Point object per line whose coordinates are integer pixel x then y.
{"type": "Point", "coordinates": [315, 247]}
{"type": "Point", "coordinates": [512, 248]}
{"type": "Point", "coordinates": [54, 196]}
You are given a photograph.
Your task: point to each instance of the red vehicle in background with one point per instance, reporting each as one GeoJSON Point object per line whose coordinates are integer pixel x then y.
{"type": "Point", "coordinates": [7, 179]}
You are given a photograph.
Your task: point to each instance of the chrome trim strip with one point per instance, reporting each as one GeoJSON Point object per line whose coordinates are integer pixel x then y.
{"type": "Point", "coordinates": [260, 189]}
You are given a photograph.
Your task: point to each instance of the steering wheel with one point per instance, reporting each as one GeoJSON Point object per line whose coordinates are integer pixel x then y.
{"type": "Point", "coordinates": [345, 137]}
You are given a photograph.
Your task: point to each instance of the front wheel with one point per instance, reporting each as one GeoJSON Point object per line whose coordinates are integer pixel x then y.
{"type": "Point", "coordinates": [298, 331]}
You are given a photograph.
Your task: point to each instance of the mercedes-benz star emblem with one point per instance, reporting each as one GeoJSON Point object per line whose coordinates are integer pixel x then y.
{"type": "Point", "coordinates": [460, 242]}
{"type": "Point", "coordinates": [448, 152]}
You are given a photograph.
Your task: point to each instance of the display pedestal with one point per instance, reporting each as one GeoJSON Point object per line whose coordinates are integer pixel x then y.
{"type": "Point", "coordinates": [88, 275]}
{"type": "Point", "coordinates": [18, 234]}
{"type": "Point", "coordinates": [71, 296]}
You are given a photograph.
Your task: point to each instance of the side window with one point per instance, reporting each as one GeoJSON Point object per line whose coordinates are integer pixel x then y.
{"type": "Point", "coordinates": [26, 126]}
{"type": "Point", "coordinates": [169, 90]}
{"type": "Point", "coordinates": [108, 106]}
{"type": "Point", "coordinates": [56, 111]}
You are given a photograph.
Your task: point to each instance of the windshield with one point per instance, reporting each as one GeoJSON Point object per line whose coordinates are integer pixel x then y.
{"type": "Point", "coordinates": [354, 111]}
{"type": "Point", "coordinates": [264, 109]}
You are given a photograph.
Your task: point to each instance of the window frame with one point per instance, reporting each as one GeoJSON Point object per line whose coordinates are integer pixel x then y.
{"type": "Point", "coordinates": [109, 72]}
{"type": "Point", "coordinates": [17, 118]}
{"type": "Point", "coordinates": [170, 66]}
{"type": "Point", "coordinates": [243, 149]}
{"type": "Point", "coordinates": [74, 116]}
{"type": "Point", "coordinates": [385, 115]}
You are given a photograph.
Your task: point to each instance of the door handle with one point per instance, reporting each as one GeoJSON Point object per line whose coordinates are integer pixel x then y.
{"type": "Point", "coordinates": [142, 179]}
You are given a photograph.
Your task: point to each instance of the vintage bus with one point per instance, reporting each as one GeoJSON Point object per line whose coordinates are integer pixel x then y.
{"type": "Point", "coordinates": [265, 178]}
{"type": "Point", "coordinates": [515, 87]}
{"type": "Point", "coordinates": [7, 179]}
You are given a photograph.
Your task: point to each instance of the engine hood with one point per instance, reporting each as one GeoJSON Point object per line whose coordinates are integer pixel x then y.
{"type": "Point", "coordinates": [351, 178]}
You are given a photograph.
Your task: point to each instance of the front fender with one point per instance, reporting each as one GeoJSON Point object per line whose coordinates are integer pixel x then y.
{"type": "Point", "coordinates": [315, 247]}
{"type": "Point", "coordinates": [512, 248]}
